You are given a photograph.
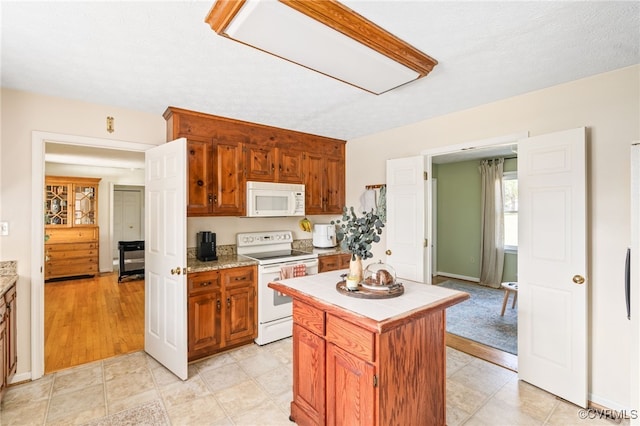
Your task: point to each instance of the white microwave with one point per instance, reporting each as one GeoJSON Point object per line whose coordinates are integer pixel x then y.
{"type": "Point", "coordinates": [268, 199]}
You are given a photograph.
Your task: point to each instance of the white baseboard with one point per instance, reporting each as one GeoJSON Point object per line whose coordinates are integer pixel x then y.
{"type": "Point", "coordinates": [460, 277]}
{"type": "Point", "coordinates": [22, 377]}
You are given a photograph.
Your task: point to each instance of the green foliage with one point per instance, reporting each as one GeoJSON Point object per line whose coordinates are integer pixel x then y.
{"type": "Point", "coordinates": [358, 233]}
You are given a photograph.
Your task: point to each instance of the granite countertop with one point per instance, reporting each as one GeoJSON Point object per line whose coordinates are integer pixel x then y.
{"type": "Point", "coordinates": [8, 275]}
{"type": "Point", "coordinates": [224, 261]}
{"type": "Point", "coordinates": [417, 296]}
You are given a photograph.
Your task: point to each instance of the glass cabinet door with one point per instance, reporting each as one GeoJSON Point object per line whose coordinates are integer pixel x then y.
{"type": "Point", "coordinates": [85, 205]}
{"type": "Point", "coordinates": [56, 204]}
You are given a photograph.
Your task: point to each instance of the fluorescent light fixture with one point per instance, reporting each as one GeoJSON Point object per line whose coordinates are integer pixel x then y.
{"type": "Point", "coordinates": [324, 36]}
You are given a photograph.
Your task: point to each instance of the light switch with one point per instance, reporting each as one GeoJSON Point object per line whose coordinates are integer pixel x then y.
{"type": "Point", "coordinates": [4, 228]}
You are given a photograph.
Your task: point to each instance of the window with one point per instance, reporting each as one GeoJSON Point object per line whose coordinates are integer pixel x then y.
{"type": "Point", "coordinates": [510, 193]}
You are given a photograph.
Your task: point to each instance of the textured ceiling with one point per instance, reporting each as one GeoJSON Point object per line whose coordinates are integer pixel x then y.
{"type": "Point", "coordinates": [149, 55]}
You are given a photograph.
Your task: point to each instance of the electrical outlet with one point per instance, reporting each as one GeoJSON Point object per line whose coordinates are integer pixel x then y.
{"type": "Point", "coordinates": [4, 228]}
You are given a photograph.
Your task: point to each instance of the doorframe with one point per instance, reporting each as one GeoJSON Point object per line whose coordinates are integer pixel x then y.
{"type": "Point", "coordinates": [38, 142]}
{"type": "Point", "coordinates": [451, 149]}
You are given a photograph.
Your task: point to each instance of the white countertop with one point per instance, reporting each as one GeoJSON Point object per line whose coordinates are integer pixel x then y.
{"type": "Point", "coordinates": [416, 296]}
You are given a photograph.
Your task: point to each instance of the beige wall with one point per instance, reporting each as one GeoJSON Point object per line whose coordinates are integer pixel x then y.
{"type": "Point", "coordinates": [22, 113]}
{"type": "Point", "coordinates": [609, 106]}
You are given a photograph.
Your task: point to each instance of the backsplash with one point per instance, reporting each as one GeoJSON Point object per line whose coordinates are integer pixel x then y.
{"type": "Point", "coordinates": [8, 267]}
{"type": "Point", "coordinates": [231, 249]}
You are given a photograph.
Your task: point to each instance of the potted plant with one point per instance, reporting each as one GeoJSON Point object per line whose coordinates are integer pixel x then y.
{"type": "Point", "coordinates": [357, 235]}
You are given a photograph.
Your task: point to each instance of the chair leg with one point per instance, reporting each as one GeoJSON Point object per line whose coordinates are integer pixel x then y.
{"type": "Point", "coordinates": [504, 302]}
{"type": "Point", "coordinates": [515, 298]}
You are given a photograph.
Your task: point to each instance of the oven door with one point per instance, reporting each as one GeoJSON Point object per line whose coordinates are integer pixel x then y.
{"type": "Point", "coordinates": [273, 305]}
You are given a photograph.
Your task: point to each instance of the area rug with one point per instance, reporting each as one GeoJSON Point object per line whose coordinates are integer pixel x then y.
{"type": "Point", "coordinates": [478, 318]}
{"type": "Point", "coordinates": [149, 414]}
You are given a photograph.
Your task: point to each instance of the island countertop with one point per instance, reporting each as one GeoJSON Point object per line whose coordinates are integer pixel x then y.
{"type": "Point", "coordinates": [418, 298]}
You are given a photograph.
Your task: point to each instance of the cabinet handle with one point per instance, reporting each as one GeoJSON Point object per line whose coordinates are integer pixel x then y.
{"type": "Point", "coordinates": [240, 278]}
{"type": "Point", "coordinates": [210, 198]}
{"type": "Point", "coordinates": [273, 167]}
{"type": "Point", "coordinates": [200, 182]}
{"type": "Point", "coordinates": [205, 284]}
{"type": "Point", "coordinates": [228, 302]}
{"type": "Point", "coordinates": [218, 304]}
{"type": "Point", "coordinates": [192, 152]}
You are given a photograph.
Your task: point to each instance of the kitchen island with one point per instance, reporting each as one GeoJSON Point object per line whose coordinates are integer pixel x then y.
{"type": "Point", "coordinates": [368, 361]}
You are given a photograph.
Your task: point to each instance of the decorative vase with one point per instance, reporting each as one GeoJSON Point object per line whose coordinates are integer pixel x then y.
{"type": "Point", "coordinates": [355, 268]}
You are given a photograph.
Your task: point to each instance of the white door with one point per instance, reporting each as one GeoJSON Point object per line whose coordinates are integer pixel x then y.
{"type": "Point", "coordinates": [165, 288]}
{"type": "Point", "coordinates": [552, 264]}
{"type": "Point", "coordinates": [406, 217]}
{"type": "Point", "coordinates": [634, 296]}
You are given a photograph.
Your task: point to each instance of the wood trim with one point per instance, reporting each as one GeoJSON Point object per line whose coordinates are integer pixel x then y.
{"type": "Point", "coordinates": [348, 22]}
{"type": "Point", "coordinates": [221, 14]}
{"type": "Point", "coordinates": [342, 19]}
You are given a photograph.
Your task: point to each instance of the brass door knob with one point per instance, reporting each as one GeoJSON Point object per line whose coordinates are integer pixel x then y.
{"type": "Point", "coordinates": [176, 271]}
{"type": "Point", "coordinates": [578, 279]}
{"type": "Point", "coordinates": [388, 252]}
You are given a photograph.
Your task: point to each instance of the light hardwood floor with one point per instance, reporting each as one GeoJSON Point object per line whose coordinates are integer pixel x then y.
{"type": "Point", "coordinates": [92, 319]}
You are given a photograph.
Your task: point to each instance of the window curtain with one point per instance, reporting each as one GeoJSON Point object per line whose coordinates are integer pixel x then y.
{"type": "Point", "coordinates": [492, 231]}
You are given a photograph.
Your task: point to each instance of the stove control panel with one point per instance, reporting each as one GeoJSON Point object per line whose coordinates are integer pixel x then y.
{"type": "Point", "coordinates": [263, 238]}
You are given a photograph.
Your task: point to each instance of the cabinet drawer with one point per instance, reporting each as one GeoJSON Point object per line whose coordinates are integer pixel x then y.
{"type": "Point", "coordinates": [242, 276]}
{"type": "Point", "coordinates": [50, 248]}
{"type": "Point", "coordinates": [70, 254]}
{"type": "Point", "coordinates": [71, 269]}
{"type": "Point", "coordinates": [203, 282]}
{"type": "Point", "coordinates": [72, 235]}
{"type": "Point", "coordinates": [309, 317]}
{"type": "Point", "coordinates": [351, 338]}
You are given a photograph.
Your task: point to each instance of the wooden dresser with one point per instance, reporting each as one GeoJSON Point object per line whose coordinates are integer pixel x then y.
{"type": "Point", "coordinates": [71, 227]}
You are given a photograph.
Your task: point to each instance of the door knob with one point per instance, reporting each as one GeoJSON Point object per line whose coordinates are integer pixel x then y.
{"type": "Point", "coordinates": [578, 279]}
{"type": "Point", "coordinates": [176, 271]}
{"type": "Point", "coordinates": [388, 252]}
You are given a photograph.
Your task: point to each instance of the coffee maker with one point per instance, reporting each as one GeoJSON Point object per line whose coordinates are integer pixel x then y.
{"type": "Point", "coordinates": [206, 246]}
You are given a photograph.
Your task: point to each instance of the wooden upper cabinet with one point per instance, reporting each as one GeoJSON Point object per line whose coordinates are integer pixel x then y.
{"type": "Point", "coordinates": [267, 162]}
{"type": "Point", "coordinates": [325, 179]}
{"type": "Point", "coordinates": [228, 181]}
{"type": "Point", "coordinates": [200, 177]}
{"type": "Point", "coordinates": [223, 154]}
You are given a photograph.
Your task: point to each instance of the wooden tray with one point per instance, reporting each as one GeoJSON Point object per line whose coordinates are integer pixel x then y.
{"type": "Point", "coordinates": [365, 293]}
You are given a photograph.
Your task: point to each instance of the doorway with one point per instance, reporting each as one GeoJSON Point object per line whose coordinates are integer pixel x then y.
{"type": "Point", "coordinates": [454, 204]}
{"type": "Point", "coordinates": [108, 149]}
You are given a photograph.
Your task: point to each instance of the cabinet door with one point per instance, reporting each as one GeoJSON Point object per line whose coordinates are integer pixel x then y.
{"type": "Point", "coordinates": [228, 182]}
{"type": "Point", "coordinates": [57, 196]}
{"type": "Point", "coordinates": [333, 262]}
{"type": "Point", "coordinates": [350, 389]}
{"type": "Point", "coordinates": [199, 177]}
{"type": "Point", "coordinates": [241, 314]}
{"type": "Point", "coordinates": [11, 332]}
{"type": "Point", "coordinates": [334, 185]}
{"type": "Point", "coordinates": [205, 322]}
{"type": "Point", "coordinates": [314, 186]}
{"type": "Point", "coordinates": [3, 346]}
{"type": "Point", "coordinates": [261, 162]}
{"type": "Point", "coordinates": [290, 162]}
{"type": "Point", "coordinates": [309, 360]}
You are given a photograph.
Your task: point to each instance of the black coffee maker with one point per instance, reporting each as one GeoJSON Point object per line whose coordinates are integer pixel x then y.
{"type": "Point", "coordinates": [206, 246]}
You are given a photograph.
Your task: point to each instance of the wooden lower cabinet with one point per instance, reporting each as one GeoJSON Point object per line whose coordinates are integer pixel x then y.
{"type": "Point", "coordinates": [8, 355]}
{"type": "Point", "coordinates": [350, 371]}
{"type": "Point", "coordinates": [222, 310]}
{"type": "Point", "coordinates": [333, 262]}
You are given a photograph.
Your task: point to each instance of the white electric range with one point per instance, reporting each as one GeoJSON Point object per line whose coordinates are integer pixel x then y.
{"type": "Point", "coordinates": [274, 250]}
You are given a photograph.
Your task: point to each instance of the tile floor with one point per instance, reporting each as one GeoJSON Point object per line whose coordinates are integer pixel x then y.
{"type": "Point", "coordinates": [252, 386]}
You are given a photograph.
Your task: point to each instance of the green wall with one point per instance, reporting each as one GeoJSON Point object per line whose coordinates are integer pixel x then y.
{"type": "Point", "coordinates": [458, 220]}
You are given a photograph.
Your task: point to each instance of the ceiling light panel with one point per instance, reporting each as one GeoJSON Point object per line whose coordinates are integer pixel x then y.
{"type": "Point", "coordinates": [280, 30]}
